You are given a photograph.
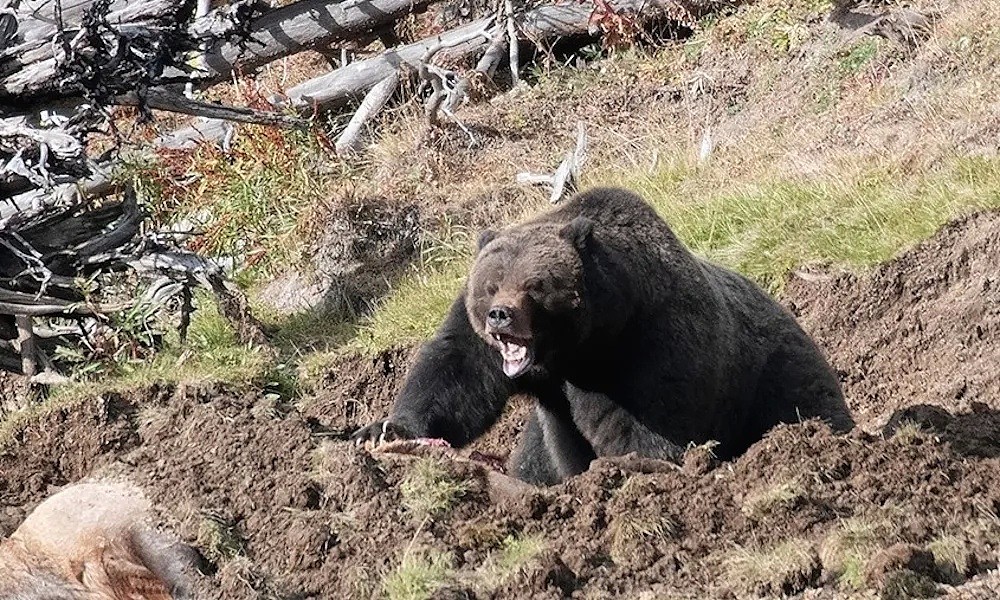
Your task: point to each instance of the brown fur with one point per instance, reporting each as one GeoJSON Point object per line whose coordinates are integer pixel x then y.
{"type": "Point", "coordinates": [92, 541]}
{"type": "Point", "coordinates": [505, 275]}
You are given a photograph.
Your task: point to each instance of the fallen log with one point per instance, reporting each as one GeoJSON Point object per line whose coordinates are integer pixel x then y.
{"type": "Point", "coordinates": [49, 34]}
{"type": "Point", "coordinates": [545, 22]}
{"type": "Point", "coordinates": [300, 26]}
{"type": "Point", "coordinates": [350, 83]}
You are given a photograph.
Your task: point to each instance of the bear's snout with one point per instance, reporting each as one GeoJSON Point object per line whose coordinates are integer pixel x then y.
{"type": "Point", "coordinates": [500, 317]}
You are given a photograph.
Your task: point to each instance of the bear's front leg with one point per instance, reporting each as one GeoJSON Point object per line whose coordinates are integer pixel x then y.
{"type": "Point", "coordinates": [551, 448]}
{"type": "Point", "coordinates": [614, 431]}
{"type": "Point", "coordinates": [455, 390]}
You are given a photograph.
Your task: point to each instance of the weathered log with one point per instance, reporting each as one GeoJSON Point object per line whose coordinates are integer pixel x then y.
{"type": "Point", "coordinates": [545, 22]}
{"type": "Point", "coordinates": [30, 66]}
{"type": "Point", "coordinates": [350, 83]}
{"type": "Point", "coordinates": [300, 26]}
{"type": "Point", "coordinates": [31, 62]}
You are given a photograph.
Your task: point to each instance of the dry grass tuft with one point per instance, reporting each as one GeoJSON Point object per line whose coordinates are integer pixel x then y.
{"type": "Point", "coordinates": [430, 490]}
{"type": "Point", "coordinates": [785, 569]}
{"type": "Point", "coordinates": [219, 538]}
{"type": "Point", "coordinates": [418, 576]}
{"type": "Point", "coordinates": [773, 499]}
{"type": "Point", "coordinates": [637, 522]}
{"type": "Point", "coordinates": [952, 555]}
{"type": "Point", "coordinates": [846, 551]}
{"type": "Point", "coordinates": [515, 553]}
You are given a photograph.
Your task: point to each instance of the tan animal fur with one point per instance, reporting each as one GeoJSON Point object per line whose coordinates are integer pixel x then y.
{"type": "Point", "coordinates": [92, 541]}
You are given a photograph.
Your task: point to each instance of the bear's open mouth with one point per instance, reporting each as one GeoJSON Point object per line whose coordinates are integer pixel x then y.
{"type": "Point", "coordinates": [516, 353]}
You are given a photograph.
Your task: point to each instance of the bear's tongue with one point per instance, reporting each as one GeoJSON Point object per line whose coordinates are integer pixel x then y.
{"type": "Point", "coordinates": [515, 358]}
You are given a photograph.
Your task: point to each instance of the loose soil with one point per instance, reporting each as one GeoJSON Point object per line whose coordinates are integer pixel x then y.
{"type": "Point", "coordinates": [908, 503]}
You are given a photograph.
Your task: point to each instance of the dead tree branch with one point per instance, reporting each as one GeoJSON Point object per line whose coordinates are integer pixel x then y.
{"type": "Point", "coordinates": [375, 100]}
{"type": "Point", "coordinates": [564, 181]}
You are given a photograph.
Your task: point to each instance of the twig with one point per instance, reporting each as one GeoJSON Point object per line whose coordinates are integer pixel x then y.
{"type": "Point", "coordinates": [564, 180]}
{"type": "Point", "coordinates": [444, 96]}
{"type": "Point", "coordinates": [186, 309]}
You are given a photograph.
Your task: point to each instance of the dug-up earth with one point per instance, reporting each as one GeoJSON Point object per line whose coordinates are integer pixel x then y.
{"type": "Point", "coordinates": [281, 506]}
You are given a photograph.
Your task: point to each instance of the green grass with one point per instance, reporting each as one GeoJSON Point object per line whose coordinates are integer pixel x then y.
{"type": "Point", "coordinates": [860, 55]}
{"type": "Point", "coordinates": [788, 567]}
{"type": "Point", "coordinates": [762, 229]}
{"type": "Point", "coordinates": [767, 229]}
{"type": "Point", "coordinates": [772, 499]}
{"type": "Point", "coordinates": [418, 576]}
{"type": "Point", "coordinates": [430, 490]}
{"type": "Point", "coordinates": [513, 555]}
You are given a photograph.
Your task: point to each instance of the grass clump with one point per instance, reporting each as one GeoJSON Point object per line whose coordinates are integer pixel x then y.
{"type": "Point", "coordinates": [952, 556]}
{"type": "Point", "coordinates": [219, 538]}
{"type": "Point", "coordinates": [908, 433]}
{"type": "Point", "coordinates": [772, 27]}
{"type": "Point", "coordinates": [430, 490]}
{"type": "Point", "coordinates": [785, 569]}
{"type": "Point", "coordinates": [847, 550]}
{"type": "Point", "coordinates": [905, 585]}
{"type": "Point", "coordinates": [859, 56]}
{"type": "Point", "coordinates": [631, 529]}
{"type": "Point", "coordinates": [781, 496]}
{"type": "Point", "coordinates": [513, 555]}
{"type": "Point", "coordinates": [418, 576]}
{"type": "Point", "coordinates": [639, 520]}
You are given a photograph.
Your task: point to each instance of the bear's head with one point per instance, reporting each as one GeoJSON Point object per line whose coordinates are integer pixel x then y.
{"type": "Point", "coordinates": [525, 294]}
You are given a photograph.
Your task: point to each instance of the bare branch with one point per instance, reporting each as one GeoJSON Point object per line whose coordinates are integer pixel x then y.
{"type": "Point", "coordinates": [26, 345]}
{"type": "Point", "coordinates": [374, 101]}
{"type": "Point", "coordinates": [564, 180]}
{"type": "Point", "coordinates": [162, 99]}
{"type": "Point", "coordinates": [514, 61]}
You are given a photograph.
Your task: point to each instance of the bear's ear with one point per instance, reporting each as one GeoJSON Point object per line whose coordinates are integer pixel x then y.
{"type": "Point", "coordinates": [577, 231]}
{"type": "Point", "coordinates": [487, 236]}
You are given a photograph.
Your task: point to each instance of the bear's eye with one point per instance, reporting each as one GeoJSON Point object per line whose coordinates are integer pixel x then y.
{"type": "Point", "coordinates": [533, 285]}
{"type": "Point", "coordinates": [491, 288]}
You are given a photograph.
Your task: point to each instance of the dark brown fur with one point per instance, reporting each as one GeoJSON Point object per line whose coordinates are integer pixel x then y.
{"type": "Point", "coordinates": [635, 345]}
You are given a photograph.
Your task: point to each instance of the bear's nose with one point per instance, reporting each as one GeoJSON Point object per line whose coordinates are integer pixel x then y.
{"type": "Point", "coordinates": [499, 317]}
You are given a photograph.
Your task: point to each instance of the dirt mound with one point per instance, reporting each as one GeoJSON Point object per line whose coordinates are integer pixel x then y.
{"type": "Point", "coordinates": [282, 506]}
{"type": "Point", "coordinates": [921, 329]}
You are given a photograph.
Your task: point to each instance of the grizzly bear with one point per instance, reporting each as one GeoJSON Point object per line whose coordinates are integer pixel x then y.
{"type": "Point", "coordinates": [628, 341]}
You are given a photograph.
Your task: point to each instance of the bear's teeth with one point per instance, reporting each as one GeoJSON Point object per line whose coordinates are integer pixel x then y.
{"type": "Point", "coordinates": [514, 352]}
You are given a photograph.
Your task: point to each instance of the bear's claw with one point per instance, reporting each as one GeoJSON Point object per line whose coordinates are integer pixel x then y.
{"type": "Point", "coordinates": [380, 433]}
